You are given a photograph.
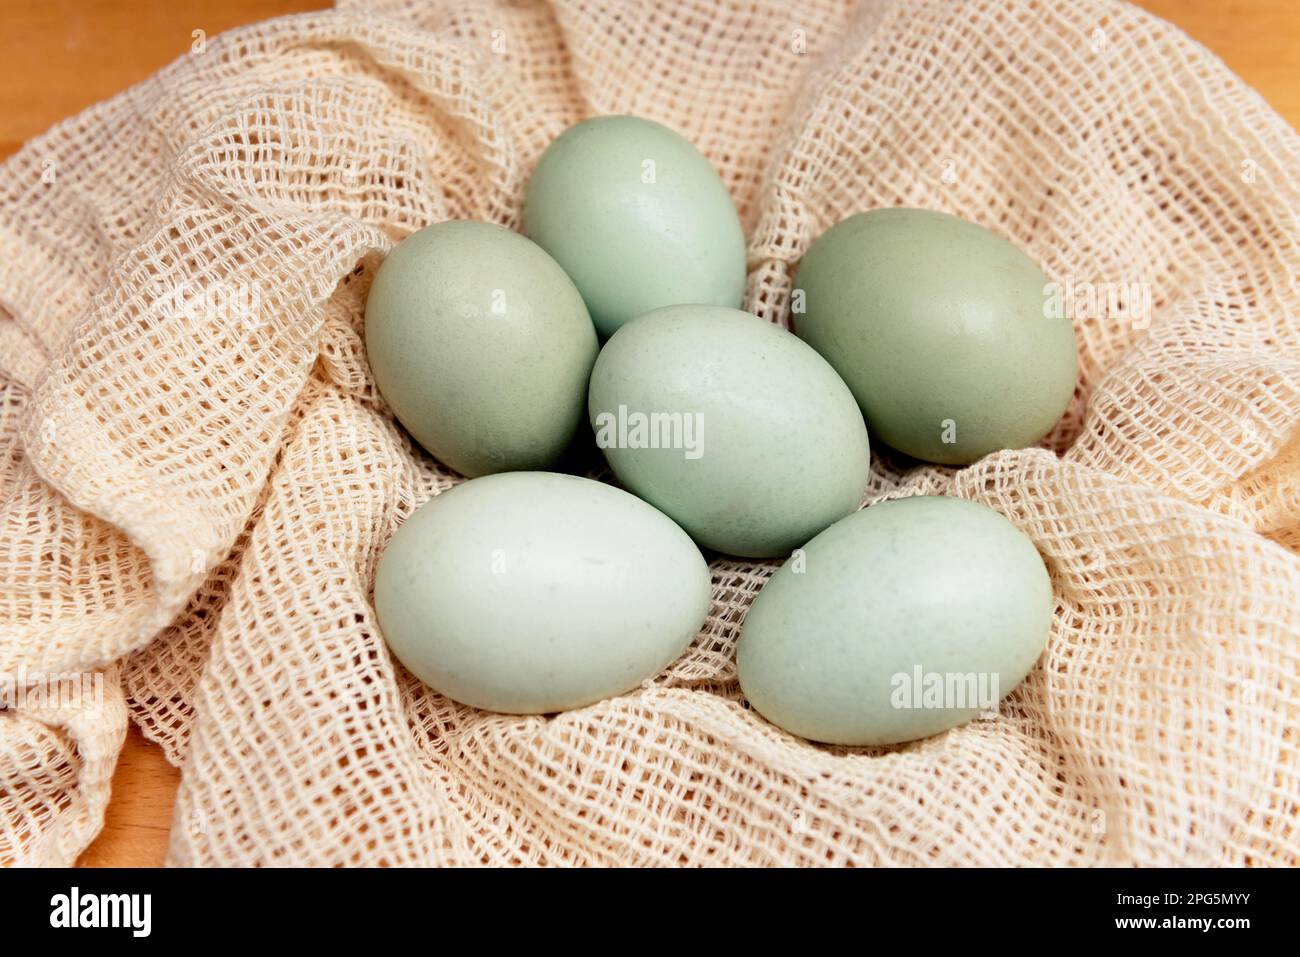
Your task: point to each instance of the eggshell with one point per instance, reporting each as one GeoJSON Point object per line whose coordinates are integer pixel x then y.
{"type": "Point", "coordinates": [637, 217]}
{"type": "Point", "coordinates": [849, 640]}
{"type": "Point", "coordinates": [944, 331]}
{"type": "Point", "coordinates": [481, 345]}
{"type": "Point", "coordinates": [533, 592]}
{"type": "Point", "coordinates": [770, 446]}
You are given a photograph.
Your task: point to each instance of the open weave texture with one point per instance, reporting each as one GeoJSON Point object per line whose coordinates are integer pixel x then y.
{"type": "Point", "coordinates": [198, 477]}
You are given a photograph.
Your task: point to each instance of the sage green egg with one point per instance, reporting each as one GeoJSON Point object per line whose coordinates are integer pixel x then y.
{"type": "Point", "coordinates": [481, 345]}
{"type": "Point", "coordinates": [731, 425]}
{"type": "Point", "coordinates": [534, 592]}
{"type": "Point", "coordinates": [945, 332]}
{"type": "Point", "coordinates": [903, 620]}
{"type": "Point", "coordinates": [637, 217]}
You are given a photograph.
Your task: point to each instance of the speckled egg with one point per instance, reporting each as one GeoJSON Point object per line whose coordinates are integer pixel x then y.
{"type": "Point", "coordinates": [946, 333]}
{"type": "Point", "coordinates": [481, 345]}
{"type": "Point", "coordinates": [637, 217]}
{"type": "Point", "coordinates": [731, 425]}
{"type": "Point", "coordinates": [903, 620]}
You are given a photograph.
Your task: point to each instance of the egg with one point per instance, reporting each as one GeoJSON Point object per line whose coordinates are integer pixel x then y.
{"type": "Point", "coordinates": [903, 620]}
{"type": "Point", "coordinates": [637, 217]}
{"type": "Point", "coordinates": [946, 333]}
{"type": "Point", "coordinates": [481, 345]}
{"type": "Point", "coordinates": [535, 592]}
{"type": "Point", "coordinates": [731, 425]}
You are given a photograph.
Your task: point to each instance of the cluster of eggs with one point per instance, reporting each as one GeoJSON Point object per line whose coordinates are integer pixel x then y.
{"type": "Point", "coordinates": [528, 591]}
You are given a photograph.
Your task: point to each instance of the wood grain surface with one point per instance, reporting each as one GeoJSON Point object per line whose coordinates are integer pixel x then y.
{"type": "Point", "coordinates": [63, 55]}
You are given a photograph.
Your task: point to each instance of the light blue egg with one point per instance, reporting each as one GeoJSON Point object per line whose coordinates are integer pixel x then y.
{"type": "Point", "coordinates": [903, 620]}
{"type": "Point", "coordinates": [732, 426]}
{"type": "Point", "coordinates": [534, 592]}
{"type": "Point", "coordinates": [637, 217]}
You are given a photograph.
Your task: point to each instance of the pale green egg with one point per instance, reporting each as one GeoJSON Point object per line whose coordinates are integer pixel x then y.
{"type": "Point", "coordinates": [637, 217]}
{"type": "Point", "coordinates": [948, 335]}
{"type": "Point", "coordinates": [903, 620]}
{"type": "Point", "coordinates": [731, 425]}
{"type": "Point", "coordinates": [481, 345]}
{"type": "Point", "coordinates": [534, 592]}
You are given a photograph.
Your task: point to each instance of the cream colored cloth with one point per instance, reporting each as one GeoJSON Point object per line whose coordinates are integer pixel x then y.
{"type": "Point", "coordinates": [198, 477]}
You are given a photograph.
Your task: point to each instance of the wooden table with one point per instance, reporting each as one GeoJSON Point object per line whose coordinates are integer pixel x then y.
{"type": "Point", "coordinates": [63, 55]}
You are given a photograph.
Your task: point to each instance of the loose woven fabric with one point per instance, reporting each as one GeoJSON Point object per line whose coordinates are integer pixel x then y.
{"type": "Point", "coordinates": [197, 475]}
